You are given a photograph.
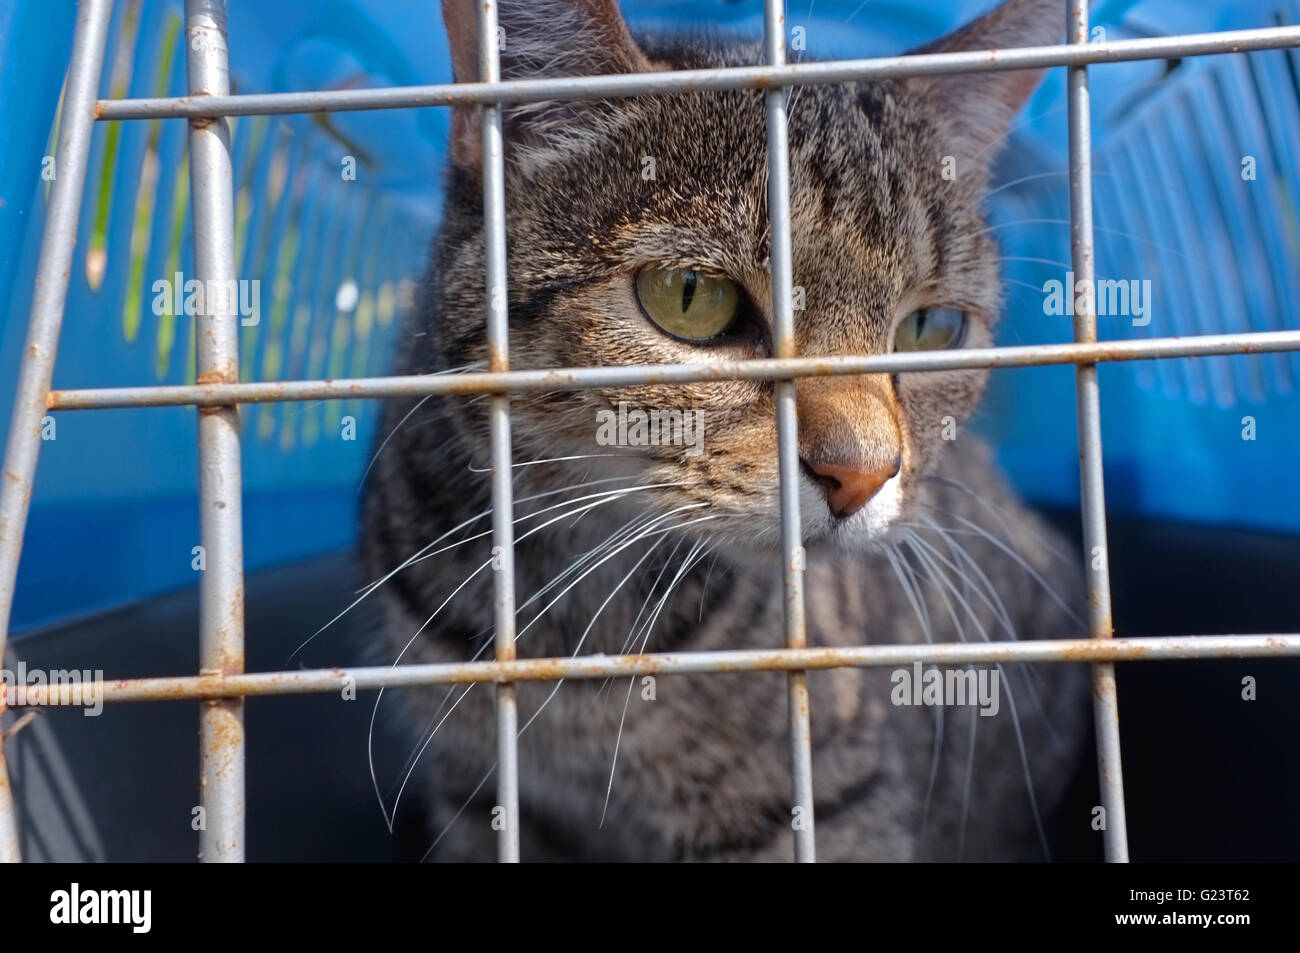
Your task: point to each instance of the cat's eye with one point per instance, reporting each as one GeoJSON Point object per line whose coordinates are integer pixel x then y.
{"type": "Point", "coordinates": [931, 329]}
{"type": "Point", "coordinates": [687, 303]}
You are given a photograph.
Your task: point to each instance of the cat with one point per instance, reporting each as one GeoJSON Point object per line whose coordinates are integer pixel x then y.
{"type": "Point", "coordinates": [911, 535]}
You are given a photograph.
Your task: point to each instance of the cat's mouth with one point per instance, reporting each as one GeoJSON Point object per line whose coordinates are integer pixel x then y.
{"type": "Point", "coordinates": [869, 528]}
{"type": "Point", "coordinates": [850, 507]}
{"type": "Point", "coordinates": [856, 527]}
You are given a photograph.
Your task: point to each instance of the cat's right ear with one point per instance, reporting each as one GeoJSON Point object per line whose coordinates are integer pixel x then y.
{"type": "Point", "coordinates": [535, 39]}
{"type": "Point", "coordinates": [977, 108]}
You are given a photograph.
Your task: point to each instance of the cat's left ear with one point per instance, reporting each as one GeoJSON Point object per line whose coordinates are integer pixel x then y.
{"type": "Point", "coordinates": [977, 108]}
{"type": "Point", "coordinates": [535, 39]}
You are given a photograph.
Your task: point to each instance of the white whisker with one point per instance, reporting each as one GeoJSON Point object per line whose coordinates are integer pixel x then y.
{"type": "Point", "coordinates": [687, 563]}
{"type": "Point", "coordinates": [535, 463]}
{"type": "Point", "coordinates": [1011, 698]}
{"type": "Point", "coordinates": [411, 641]}
{"type": "Point", "coordinates": [911, 590]}
{"type": "Point", "coordinates": [420, 403]}
{"type": "Point", "coordinates": [415, 760]}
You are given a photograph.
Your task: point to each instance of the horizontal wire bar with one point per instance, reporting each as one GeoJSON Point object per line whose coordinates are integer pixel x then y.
{"type": "Point", "coordinates": [582, 378]}
{"type": "Point", "coordinates": [614, 86]}
{"type": "Point", "coordinates": [1163, 648]}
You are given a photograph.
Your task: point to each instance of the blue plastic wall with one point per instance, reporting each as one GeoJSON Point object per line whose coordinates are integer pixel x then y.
{"type": "Point", "coordinates": [114, 517]}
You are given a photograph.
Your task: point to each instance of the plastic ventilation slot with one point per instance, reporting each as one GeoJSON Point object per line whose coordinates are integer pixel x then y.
{"type": "Point", "coordinates": [120, 70]}
{"type": "Point", "coordinates": [1174, 201]}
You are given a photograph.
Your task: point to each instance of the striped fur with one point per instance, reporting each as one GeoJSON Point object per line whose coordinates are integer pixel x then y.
{"type": "Point", "coordinates": [702, 770]}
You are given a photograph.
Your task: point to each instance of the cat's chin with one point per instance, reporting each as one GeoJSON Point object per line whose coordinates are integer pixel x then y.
{"type": "Point", "coordinates": [870, 530]}
{"type": "Point", "coordinates": [831, 546]}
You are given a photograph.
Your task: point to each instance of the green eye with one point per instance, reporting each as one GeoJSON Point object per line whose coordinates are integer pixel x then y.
{"type": "Point", "coordinates": [688, 303]}
{"type": "Point", "coordinates": [931, 329]}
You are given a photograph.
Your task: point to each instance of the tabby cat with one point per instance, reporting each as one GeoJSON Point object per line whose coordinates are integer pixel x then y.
{"type": "Point", "coordinates": [638, 234]}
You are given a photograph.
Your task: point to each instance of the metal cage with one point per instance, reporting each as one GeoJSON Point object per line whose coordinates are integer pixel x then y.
{"type": "Point", "coordinates": [222, 684]}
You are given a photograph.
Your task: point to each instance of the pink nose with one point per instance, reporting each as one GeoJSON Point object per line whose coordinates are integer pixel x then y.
{"type": "Point", "coordinates": [848, 489]}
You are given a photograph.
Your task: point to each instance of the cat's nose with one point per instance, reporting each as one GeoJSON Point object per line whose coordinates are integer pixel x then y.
{"type": "Point", "coordinates": [847, 488]}
{"type": "Point", "coordinates": [850, 442]}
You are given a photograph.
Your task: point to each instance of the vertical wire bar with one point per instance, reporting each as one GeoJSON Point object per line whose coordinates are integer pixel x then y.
{"type": "Point", "coordinates": [216, 330]}
{"type": "Point", "coordinates": [503, 533]}
{"type": "Point", "coordinates": [796, 636]}
{"type": "Point", "coordinates": [1093, 497]}
{"type": "Point", "coordinates": [44, 323]}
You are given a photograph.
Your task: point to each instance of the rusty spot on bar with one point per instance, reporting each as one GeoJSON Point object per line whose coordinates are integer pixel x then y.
{"type": "Point", "coordinates": [210, 685]}
{"type": "Point", "coordinates": [216, 377]}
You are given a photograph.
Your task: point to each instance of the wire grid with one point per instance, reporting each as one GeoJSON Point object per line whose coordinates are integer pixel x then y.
{"type": "Point", "coordinates": [222, 685]}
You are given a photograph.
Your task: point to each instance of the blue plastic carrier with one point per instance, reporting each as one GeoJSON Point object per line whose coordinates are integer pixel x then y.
{"type": "Point", "coordinates": [114, 518]}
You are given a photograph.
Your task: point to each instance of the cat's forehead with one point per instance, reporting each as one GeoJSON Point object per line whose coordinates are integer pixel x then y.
{"type": "Point", "coordinates": [699, 163]}
{"type": "Point", "coordinates": [847, 120]}
{"type": "Point", "coordinates": [863, 158]}
{"type": "Point", "coordinates": [863, 212]}
{"type": "Point", "coordinates": [681, 180]}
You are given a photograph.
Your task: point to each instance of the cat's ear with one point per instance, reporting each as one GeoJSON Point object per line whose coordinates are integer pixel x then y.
{"type": "Point", "coordinates": [977, 108]}
{"type": "Point", "coordinates": [535, 39]}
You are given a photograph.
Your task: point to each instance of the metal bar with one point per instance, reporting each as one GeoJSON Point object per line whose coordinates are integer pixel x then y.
{"type": "Point", "coordinates": [581, 378]}
{"type": "Point", "coordinates": [1093, 495]}
{"type": "Point", "coordinates": [43, 324]}
{"type": "Point", "coordinates": [685, 81]}
{"type": "Point", "coordinates": [503, 535]}
{"type": "Point", "coordinates": [221, 584]}
{"type": "Point", "coordinates": [1164, 648]}
{"type": "Point", "coordinates": [223, 683]}
{"type": "Point", "coordinates": [787, 435]}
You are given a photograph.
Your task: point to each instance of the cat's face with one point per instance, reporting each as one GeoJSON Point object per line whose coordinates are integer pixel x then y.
{"type": "Point", "coordinates": [638, 234]}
